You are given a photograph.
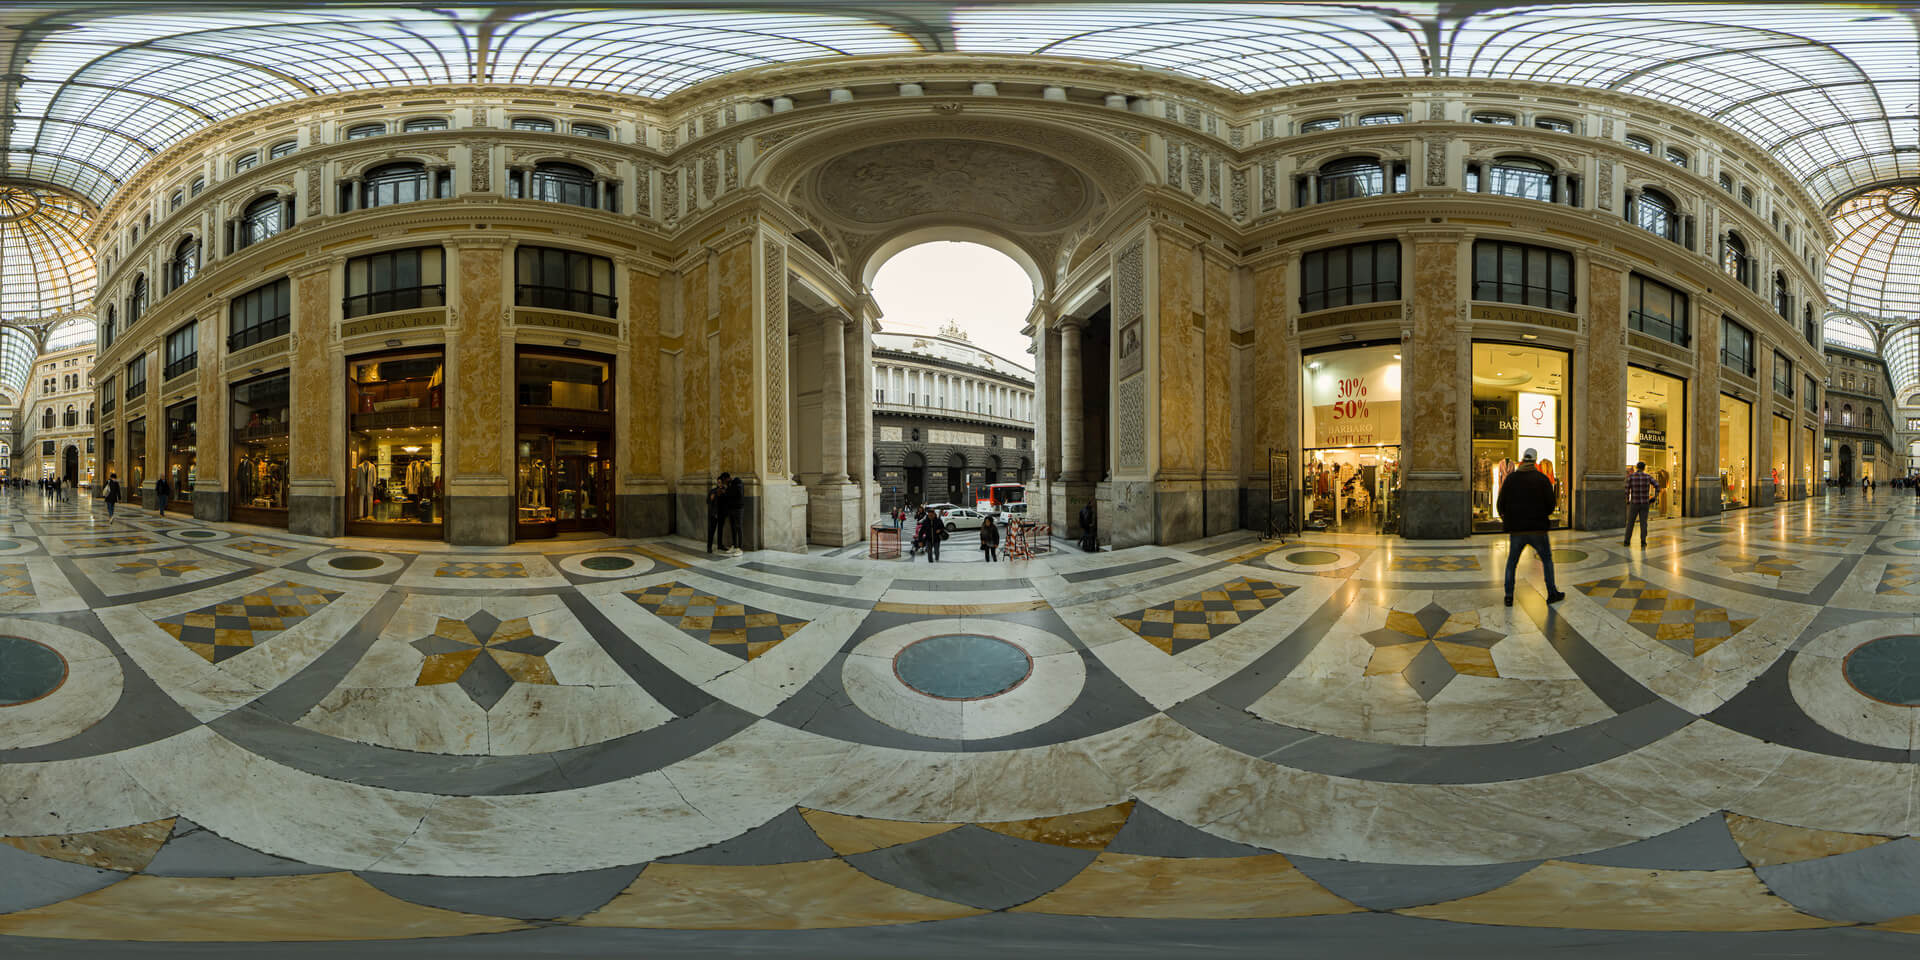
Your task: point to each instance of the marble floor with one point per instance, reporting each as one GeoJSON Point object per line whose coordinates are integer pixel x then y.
{"type": "Point", "coordinates": [216, 738]}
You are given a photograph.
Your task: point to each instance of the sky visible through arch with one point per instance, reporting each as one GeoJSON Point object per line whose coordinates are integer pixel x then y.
{"type": "Point", "coordinates": [976, 286]}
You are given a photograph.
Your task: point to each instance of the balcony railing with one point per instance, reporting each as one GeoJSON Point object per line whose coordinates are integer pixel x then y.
{"type": "Point", "coordinates": [258, 333]}
{"type": "Point", "coordinates": [180, 366]}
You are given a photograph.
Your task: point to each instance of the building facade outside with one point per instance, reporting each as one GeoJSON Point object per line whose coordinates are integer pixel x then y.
{"type": "Point", "coordinates": [1861, 422]}
{"type": "Point", "coordinates": [948, 418]}
{"type": "Point", "coordinates": [498, 313]}
{"type": "Point", "coordinates": [58, 419]}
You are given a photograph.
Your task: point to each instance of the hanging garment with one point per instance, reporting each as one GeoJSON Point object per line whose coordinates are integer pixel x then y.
{"type": "Point", "coordinates": [363, 486]}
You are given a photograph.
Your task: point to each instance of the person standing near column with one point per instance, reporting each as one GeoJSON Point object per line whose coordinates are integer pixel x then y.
{"type": "Point", "coordinates": [1640, 492]}
{"type": "Point", "coordinates": [716, 512]}
{"type": "Point", "coordinates": [736, 500]}
{"type": "Point", "coordinates": [1526, 502]}
{"type": "Point", "coordinates": [161, 493]}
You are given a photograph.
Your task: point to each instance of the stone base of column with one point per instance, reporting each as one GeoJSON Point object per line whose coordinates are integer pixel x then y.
{"type": "Point", "coordinates": [1223, 506]}
{"type": "Point", "coordinates": [315, 510]}
{"type": "Point", "coordinates": [1704, 499]}
{"type": "Point", "coordinates": [644, 510]}
{"type": "Point", "coordinates": [1179, 510]}
{"type": "Point", "coordinates": [1763, 494]}
{"type": "Point", "coordinates": [478, 520]}
{"type": "Point", "coordinates": [1435, 505]}
{"type": "Point", "coordinates": [1064, 500]}
{"type": "Point", "coordinates": [776, 516]}
{"type": "Point", "coordinates": [209, 504]}
{"type": "Point", "coordinates": [1799, 490]}
{"type": "Point", "coordinates": [1600, 502]}
{"type": "Point", "coordinates": [836, 514]}
{"type": "Point", "coordinates": [1130, 514]}
{"type": "Point", "coordinates": [690, 508]}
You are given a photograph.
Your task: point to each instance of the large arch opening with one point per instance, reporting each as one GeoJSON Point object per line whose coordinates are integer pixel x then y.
{"type": "Point", "coordinates": [952, 368]}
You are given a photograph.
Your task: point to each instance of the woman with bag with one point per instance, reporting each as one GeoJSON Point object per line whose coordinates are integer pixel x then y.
{"type": "Point", "coordinates": [990, 539]}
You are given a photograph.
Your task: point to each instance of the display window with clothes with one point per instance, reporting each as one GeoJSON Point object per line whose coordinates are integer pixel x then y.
{"type": "Point", "coordinates": [1780, 471]}
{"type": "Point", "coordinates": [394, 444]}
{"type": "Point", "coordinates": [563, 473]}
{"type": "Point", "coordinates": [1350, 439]}
{"type": "Point", "coordinates": [1806, 458]}
{"type": "Point", "coordinates": [182, 450]}
{"type": "Point", "coordinates": [136, 460]}
{"type": "Point", "coordinates": [259, 450]}
{"type": "Point", "coordinates": [1519, 404]}
{"type": "Point", "coordinates": [1656, 433]}
{"type": "Point", "coordinates": [1736, 453]}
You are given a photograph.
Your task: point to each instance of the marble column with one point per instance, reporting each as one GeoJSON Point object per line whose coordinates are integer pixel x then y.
{"type": "Point", "coordinates": [478, 505]}
{"type": "Point", "coordinates": [643, 505]}
{"type": "Point", "coordinates": [1600, 419]}
{"type": "Point", "coordinates": [1072, 403]}
{"type": "Point", "coordinates": [211, 435]}
{"type": "Point", "coordinates": [1703, 411]}
{"type": "Point", "coordinates": [316, 431]}
{"type": "Point", "coordinates": [833, 400]}
{"type": "Point", "coordinates": [1276, 391]}
{"type": "Point", "coordinates": [1436, 502]}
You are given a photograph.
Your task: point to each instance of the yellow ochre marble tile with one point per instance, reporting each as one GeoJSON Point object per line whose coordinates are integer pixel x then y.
{"type": "Point", "coordinates": [808, 895]}
{"type": "Point", "coordinates": [850, 835]}
{"type": "Point", "coordinates": [127, 849]}
{"type": "Point", "coordinates": [1086, 830]}
{"type": "Point", "coordinates": [1126, 885]}
{"type": "Point", "coordinates": [1765, 843]}
{"type": "Point", "coordinates": [327, 906]}
{"type": "Point", "coordinates": [1584, 896]}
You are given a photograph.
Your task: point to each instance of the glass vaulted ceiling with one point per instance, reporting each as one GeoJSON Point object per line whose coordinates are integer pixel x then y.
{"type": "Point", "coordinates": [1833, 90]}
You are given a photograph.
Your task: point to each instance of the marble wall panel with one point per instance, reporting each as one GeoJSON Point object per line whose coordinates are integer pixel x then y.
{"type": "Point", "coordinates": [312, 380]}
{"type": "Point", "coordinates": [1432, 380]}
{"type": "Point", "coordinates": [697, 372]}
{"type": "Point", "coordinates": [1270, 399]}
{"type": "Point", "coordinates": [478, 389]}
{"type": "Point", "coordinates": [643, 394]}
{"type": "Point", "coordinates": [736, 388]}
{"type": "Point", "coordinates": [1181, 428]}
{"type": "Point", "coordinates": [1218, 367]}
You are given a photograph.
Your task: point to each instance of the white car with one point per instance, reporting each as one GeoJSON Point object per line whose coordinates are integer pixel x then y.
{"type": "Point", "coordinates": [961, 518]}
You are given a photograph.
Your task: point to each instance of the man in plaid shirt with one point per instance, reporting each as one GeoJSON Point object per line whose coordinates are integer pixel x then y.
{"type": "Point", "coordinates": [1640, 492]}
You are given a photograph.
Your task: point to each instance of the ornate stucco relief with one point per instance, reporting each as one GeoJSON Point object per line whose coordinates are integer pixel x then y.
{"type": "Point", "coordinates": [775, 255]}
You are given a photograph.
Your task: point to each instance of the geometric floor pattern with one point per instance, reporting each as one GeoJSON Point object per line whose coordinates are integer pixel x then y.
{"type": "Point", "coordinates": [223, 631]}
{"type": "Point", "coordinates": [1337, 777]}
{"type": "Point", "coordinates": [1690, 626]}
{"type": "Point", "coordinates": [736, 628]}
{"type": "Point", "coordinates": [1180, 625]}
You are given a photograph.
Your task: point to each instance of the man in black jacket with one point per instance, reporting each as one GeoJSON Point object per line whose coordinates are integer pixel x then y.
{"type": "Point", "coordinates": [1526, 502]}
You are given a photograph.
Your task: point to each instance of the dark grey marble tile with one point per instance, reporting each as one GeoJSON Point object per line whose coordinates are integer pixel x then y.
{"type": "Point", "coordinates": [1395, 886]}
{"type": "Point", "coordinates": [975, 867]}
{"type": "Point", "coordinates": [1865, 886]}
{"type": "Point", "coordinates": [550, 897]}
{"type": "Point", "coordinates": [784, 839]}
{"type": "Point", "coordinates": [1150, 833]}
{"type": "Point", "coordinates": [28, 881]}
{"type": "Point", "coordinates": [195, 851]}
{"type": "Point", "coordinates": [1703, 844]}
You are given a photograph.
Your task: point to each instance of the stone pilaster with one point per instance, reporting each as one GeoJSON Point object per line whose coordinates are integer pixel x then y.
{"type": "Point", "coordinates": [212, 435]}
{"type": "Point", "coordinates": [1435, 502]}
{"type": "Point", "coordinates": [316, 492]}
{"type": "Point", "coordinates": [834, 514]}
{"type": "Point", "coordinates": [1600, 417]}
{"type": "Point", "coordinates": [643, 507]}
{"type": "Point", "coordinates": [1703, 412]}
{"type": "Point", "coordinates": [478, 507]}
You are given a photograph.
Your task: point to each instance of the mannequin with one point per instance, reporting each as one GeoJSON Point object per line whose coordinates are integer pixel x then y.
{"type": "Point", "coordinates": [363, 476]}
{"type": "Point", "coordinates": [537, 484]}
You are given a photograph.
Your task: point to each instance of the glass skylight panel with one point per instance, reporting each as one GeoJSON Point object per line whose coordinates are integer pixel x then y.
{"type": "Point", "coordinates": [71, 333]}
{"type": "Point", "coordinates": [1848, 332]}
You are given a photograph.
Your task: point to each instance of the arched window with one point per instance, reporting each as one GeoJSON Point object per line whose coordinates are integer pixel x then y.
{"type": "Point", "coordinates": [1382, 119]}
{"type": "Point", "coordinates": [72, 416]}
{"type": "Point", "coordinates": [1319, 124]}
{"type": "Point", "coordinates": [261, 219]}
{"type": "Point", "coordinates": [424, 124]}
{"type": "Point", "coordinates": [1494, 117]}
{"type": "Point", "coordinates": [1553, 123]}
{"type": "Point", "coordinates": [561, 183]}
{"type": "Point", "coordinates": [535, 124]}
{"type": "Point", "coordinates": [1846, 415]}
{"type": "Point", "coordinates": [283, 148]}
{"type": "Point", "coordinates": [395, 183]}
{"type": "Point", "coordinates": [46, 419]}
{"type": "Point", "coordinates": [1733, 256]}
{"type": "Point", "coordinates": [1656, 213]}
{"type": "Point", "coordinates": [1812, 332]}
{"type": "Point", "coordinates": [1726, 183]}
{"type": "Point", "coordinates": [137, 300]}
{"type": "Point", "coordinates": [594, 130]}
{"type": "Point", "coordinates": [246, 161]}
{"type": "Point", "coordinates": [1521, 177]}
{"type": "Point", "coordinates": [365, 130]}
{"type": "Point", "coordinates": [174, 202]}
{"type": "Point", "coordinates": [1867, 417]}
{"type": "Point", "coordinates": [1782, 301]}
{"type": "Point", "coordinates": [185, 263]}
{"type": "Point", "coordinates": [1641, 144]}
{"type": "Point", "coordinates": [90, 417]}
{"type": "Point", "coordinates": [1679, 158]}
{"type": "Point", "coordinates": [1354, 177]}
{"type": "Point", "coordinates": [106, 329]}
{"type": "Point", "coordinates": [199, 184]}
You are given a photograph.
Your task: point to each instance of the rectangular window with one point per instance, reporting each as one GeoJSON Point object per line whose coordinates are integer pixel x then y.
{"type": "Point", "coordinates": [183, 350]}
{"type": "Point", "coordinates": [1736, 346]}
{"type": "Point", "coordinates": [395, 280]}
{"type": "Point", "coordinates": [259, 314]}
{"type": "Point", "coordinates": [46, 448]}
{"type": "Point", "coordinates": [1782, 374]}
{"type": "Point", "coordinates": [1517, 273]}
{"type": "Point", "coordinates": [1658, 310]}
{"type": "Point", "coordinates": [137, 377]}
{"type": "Point", "coordinates": [563, 280]}
{"type": "Point", "coordinates": [1341, 276]}
{"type": "Point", "coordinates": [107, 397]}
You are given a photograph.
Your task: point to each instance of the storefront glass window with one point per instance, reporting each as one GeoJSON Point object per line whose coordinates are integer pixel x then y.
{"type": "Point", "coordinates": [259, 450]}
{"type": "Point", "coordinates": [1350, 440]}
{"type": "Point", "coordinates": [1656, 432]}
{"type": "Point", "coordinates": [1519, 404]}
{"type": "Point", "coordinates": [1736, 452]}
{"type": "Point", "coordinates": [1782, 474]}
{"type": "Point", "coordinates": [394, 443]}
{"type": "Point", "coordinates": [1806, 461]}
{"type": "Point", "coordinates": [564, 444]}
{"type": "Point", "coordinates": [136, 459]}
{"type": "Point", "coordinates": [182, 448]}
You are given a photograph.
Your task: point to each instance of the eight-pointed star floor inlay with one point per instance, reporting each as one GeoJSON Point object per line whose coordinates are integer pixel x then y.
{"type": "Point", "coordinates": [485, 656]}
{"type": "Point", "coordinates": [1431, 646]}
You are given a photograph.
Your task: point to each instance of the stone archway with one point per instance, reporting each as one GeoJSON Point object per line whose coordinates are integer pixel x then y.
{"type": "Point", "coordinates": [70, 464]}
{"type": "Point", "coordinates": [1843, 469]}
{"type": "Point", "coordinates": [1032, 189]}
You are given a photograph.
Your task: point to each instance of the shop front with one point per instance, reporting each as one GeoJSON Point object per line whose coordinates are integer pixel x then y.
{"type": "Point", "coordinates": [1736, 453]}
{"type": "Point", "coordinates": [259, 450]}
{"type": "Point", "coordinates": [395, 430]}
{"type": "Point", "coordinates": [182, 451]}
{"type": "Point", "coordinates": [1519, 404]}
{"type": "Point", "coordinates": [1350, 440]}
{"type": "Point", "coordinates": [1656, 434]}
{"type": "Point", "coordinates": [106, 453]}
{"type": "Point", "coordinates": [136, 460]}
{"type": "Point", "coordinates": [1806, 460]}
{"type": "Point", "coordinates": [563, 443]}
{"type": "Point", "coordinates": [1781, 471]}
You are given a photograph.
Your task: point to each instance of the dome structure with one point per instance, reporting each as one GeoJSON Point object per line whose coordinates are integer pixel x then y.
{"type": "Point", "coordinates": [46, 271]}
{"type": "Point", "coordinates": [1874, 267]}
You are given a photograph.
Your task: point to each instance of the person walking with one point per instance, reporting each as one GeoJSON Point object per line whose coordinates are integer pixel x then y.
{"type": "Point", "coordinates": [161, 493]}
{"type": "Point", "coordinates": [932, 533]}
{"type": "Point", "coordinates": [1526, 502]}
{"type": "Point", "coordinates": [990, 539]}
{"type": "Point", "coordinates": [716, 512]}
{"type": "Point", "coordinates": [111, 494]}
{"type": "Point", "coordinates": [1641, 489]}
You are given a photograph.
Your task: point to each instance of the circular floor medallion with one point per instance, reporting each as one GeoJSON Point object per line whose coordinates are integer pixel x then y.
{"type": "Point", "coordinates": [1569, 556]}
{"type": "Point", "coordinates": [198, 534]}
{"type": "Point", "coordinates": [1907, 544]}
{"type": "Point", "coordinates": [962, 666]}
{"type": "Point", "coordinates": [29, 670]}
{"type": "Point", "coordinates": [606, 563]}
{"type": "Point", "coordinates": [9, 544]}
{"type": "Point", "coordinates": [1312, 557]}
{"type": "Point", "coordinates": [1886, 669]}
{"type": "Point", "coordinates": [1715, 528]}
{"type": "Point", "coordinates": [355, 562]}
